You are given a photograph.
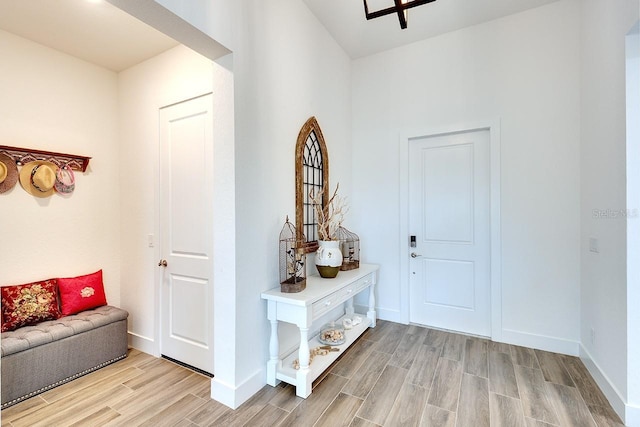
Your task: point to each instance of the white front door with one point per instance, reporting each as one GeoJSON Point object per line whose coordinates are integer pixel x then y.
{"type": "Point", "coordinates": [449, 215]}
{"type": "Point", "coordinates": [186, 224]}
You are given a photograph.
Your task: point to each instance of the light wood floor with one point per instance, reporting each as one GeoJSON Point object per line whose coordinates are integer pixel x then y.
{"type": "Point", "coordinates": [395, 375]}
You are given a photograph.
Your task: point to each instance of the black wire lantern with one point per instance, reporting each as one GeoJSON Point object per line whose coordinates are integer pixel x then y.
{"type": "Point", "coordinates": [293, 274]}
{"type": "Point", "coordinates": [350, 248]}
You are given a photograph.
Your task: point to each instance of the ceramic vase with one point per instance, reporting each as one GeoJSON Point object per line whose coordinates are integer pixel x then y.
{"type": "Point", "coordinates": [328, 258]}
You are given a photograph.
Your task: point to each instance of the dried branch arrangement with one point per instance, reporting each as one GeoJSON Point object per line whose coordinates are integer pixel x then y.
{"type": "Point", "coordinates": [330, 217]}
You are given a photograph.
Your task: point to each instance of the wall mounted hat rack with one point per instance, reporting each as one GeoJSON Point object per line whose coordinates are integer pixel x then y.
{"type": "Point", "coordinates": [26, 155]}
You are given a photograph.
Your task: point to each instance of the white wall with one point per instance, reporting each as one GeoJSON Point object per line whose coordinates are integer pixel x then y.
{"type": "Point", "coordinates": [212, 17]}
{"type": "Point", "coordinates": [286, 69]}
{"type": "Point", "coordinates": [633, 223]}
{"type": "Point", "coordinates": [603, 165]}
{"type": "Point", "coordinates": [52, 101]}
{"type": "Point", "coordinates": [524, 71]}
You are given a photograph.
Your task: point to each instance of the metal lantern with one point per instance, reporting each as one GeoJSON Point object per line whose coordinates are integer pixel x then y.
{"type": "Point", "coordinates": [293, 275]}
{"type": "Point", "coordinates": [350, 248]}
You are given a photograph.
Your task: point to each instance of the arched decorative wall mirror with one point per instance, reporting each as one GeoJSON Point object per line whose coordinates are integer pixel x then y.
{"type": "Point", "coordinates": [312, 174]}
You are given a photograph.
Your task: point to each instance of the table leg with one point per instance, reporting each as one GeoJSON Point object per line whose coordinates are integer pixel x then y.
{"type": "Point", "coordinates": [274, 360]}
{"type": "Point", "coordinates": [371, 314]}
{"type": "Point", "coordinates": [303, 387]}
{"type": "Point", "coordinates": [350, 310]}
{"type": "Point", "coordinates": [303, 352]}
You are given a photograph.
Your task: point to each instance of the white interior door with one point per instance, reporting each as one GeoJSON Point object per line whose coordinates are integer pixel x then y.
{"type": "Point", "coordinates": [186, 224]}
{"type": "Point", "coordinates": [449, 213]}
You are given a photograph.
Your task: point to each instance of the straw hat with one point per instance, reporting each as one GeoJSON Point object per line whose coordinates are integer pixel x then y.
{"type": "Point", "coordinates": [38, 178]}
{"type": "Point", "coordinates": [8, 173]}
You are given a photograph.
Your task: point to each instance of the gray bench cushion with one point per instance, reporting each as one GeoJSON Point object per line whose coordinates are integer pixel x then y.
{"type": "Point", "coordinates": [45, 332]}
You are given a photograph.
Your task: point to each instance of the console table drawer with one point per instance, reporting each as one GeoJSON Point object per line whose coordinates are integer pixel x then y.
{"type": "Point", "coordinates": [348, 292]}
{"type": "Point", "coordinates": [318, 308]}
{"type": "Point", "coordinates": [327, 303]}
{"type": "Point", "coordinates": [363, 283]}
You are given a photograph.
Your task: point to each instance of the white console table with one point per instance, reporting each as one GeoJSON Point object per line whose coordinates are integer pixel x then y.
{"type": "Point", "coordinates": [302, 308]}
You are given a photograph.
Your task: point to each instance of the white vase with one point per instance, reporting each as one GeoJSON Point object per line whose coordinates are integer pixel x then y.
{"type": "Point", "coordinates": [328, 258]}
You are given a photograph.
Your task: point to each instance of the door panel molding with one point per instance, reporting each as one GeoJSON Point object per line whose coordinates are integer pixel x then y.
{"type": "Point", "coordinates": [405, 138]}
{"type": "Point", "coordinates": [438, 268]}
{"type": "Point", "coordinates": [464, 226]}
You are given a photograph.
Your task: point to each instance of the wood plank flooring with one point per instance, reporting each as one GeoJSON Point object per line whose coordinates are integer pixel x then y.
{"type": "Point", "coordinates": [395, 375]}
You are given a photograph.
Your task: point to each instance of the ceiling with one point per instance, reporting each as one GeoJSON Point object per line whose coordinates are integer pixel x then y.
{"type": "Point", "coordinates": [97, 32]}
{"type": "Point", "coordinates": [345, 20]}
{"type": "Point", "coordinates": [100, 33]}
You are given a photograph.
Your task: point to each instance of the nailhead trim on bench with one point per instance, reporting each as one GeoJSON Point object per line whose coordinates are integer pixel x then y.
{"type": "Point", "coordinates": [66, 380]}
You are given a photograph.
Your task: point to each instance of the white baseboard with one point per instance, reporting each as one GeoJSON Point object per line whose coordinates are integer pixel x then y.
{"type": "Point", "coordinates": [632, 416]}
{"type": "Point", "coordinates": [232, 396]}
{"type": "Point", "coordinates": [509, 336]}
{"type": "Point", "coordinates": [629, 414]}
{"type": "Point", "coordinates": [144, 344]}
{"type": "Point", "coordinates": [383, 313]}
{"type": "Point", "coordinates": [540, 342]}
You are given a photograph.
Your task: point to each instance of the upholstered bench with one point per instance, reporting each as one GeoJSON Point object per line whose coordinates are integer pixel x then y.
{"type": "Point", "coordinates": [39, 357]}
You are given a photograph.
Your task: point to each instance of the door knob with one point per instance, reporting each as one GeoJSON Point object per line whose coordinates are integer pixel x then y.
{"type": "Point", "coordinates": [162, 263]}
{"type": "Point", "coordinates": [415, 255]}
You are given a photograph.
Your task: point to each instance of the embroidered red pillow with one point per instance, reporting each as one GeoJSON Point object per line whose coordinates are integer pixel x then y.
{"type": "Point", "coordinates": [81, 293]}
{"type": "Point", "coordinates": [29, 304]}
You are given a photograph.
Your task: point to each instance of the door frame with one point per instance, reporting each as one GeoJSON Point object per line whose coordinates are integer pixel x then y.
{"type": "Point", "coordinates": [495, 265]}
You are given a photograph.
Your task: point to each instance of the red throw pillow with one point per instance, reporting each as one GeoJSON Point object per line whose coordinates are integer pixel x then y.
{"type": "Point", "coordinates": [29, 304]}
{"type": "Point", "coordinates": [81, 293]}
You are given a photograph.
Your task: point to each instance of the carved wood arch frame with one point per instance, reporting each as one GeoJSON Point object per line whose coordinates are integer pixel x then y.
{"type": "Point", "coordinates": [310, 126]}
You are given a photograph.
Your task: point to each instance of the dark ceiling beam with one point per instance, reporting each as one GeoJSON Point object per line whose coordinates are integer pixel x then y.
{"type": "Point", "coordinates": [399, 9]}
{"type": "Point", "coordinates": [402, 16]}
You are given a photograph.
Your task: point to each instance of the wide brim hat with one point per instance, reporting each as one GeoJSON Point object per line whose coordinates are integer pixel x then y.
{"type": "Point", "coordinates": [38, 178]}
{"type": "Point", "coordinates": [8, 173]}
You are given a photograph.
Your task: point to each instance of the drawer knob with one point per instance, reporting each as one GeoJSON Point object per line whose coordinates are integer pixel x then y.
{"type": "Point", "coordinates": [327, 303]}
{"type": "Point", "coordinates": [349, 291]}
